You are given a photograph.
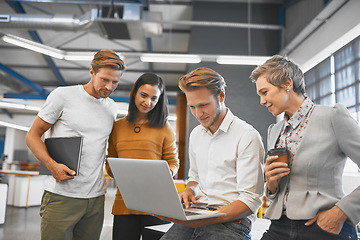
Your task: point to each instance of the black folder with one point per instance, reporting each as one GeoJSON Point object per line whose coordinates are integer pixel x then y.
{"type": "Point", "coordinates": [65, 150]}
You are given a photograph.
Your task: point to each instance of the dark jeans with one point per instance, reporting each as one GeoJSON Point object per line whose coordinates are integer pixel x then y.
{"type": "Point", "coordinates": [219, 231]}
{"type": "Point", "coordinates": [131, 227]}
{"type": "Point", "coordinates": [286, 229]}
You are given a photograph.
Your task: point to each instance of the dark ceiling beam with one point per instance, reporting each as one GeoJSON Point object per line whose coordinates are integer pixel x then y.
{"type": "Point", "coordinates": [172, 30]}
{"type": "Point", "coordinates": [24, 96]}
{"type": "Point", "coordinates": [40, 90]}
{"type": "Point", "coordinates": [13, 85]}
{"type": "Point", "coordinates": [141, 2]}
{"type": "Point", "coordinates": [35, 36]}
{"type": "Point", "coordinates": [149, 49]}
{"type": "Point", "coordinates": [107, 2]}
{"type": "Point", "coordinates": [16, 5]}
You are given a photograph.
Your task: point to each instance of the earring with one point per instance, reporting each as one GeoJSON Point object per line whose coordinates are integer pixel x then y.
{"type": "Point", "coordinates": [288, 90]}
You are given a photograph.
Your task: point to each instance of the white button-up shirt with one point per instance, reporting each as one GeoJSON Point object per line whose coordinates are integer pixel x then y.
{"type": "Point", "coordinates": [227, 164]}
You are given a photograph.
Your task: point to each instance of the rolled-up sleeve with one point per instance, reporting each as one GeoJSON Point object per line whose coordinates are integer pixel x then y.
{"type": "Point", "coordinates": [249, 167]}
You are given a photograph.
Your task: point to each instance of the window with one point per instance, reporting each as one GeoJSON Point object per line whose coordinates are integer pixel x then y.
{"type": "Point", "coordinates": [337, 80]}
{"type": "Point", "coordinates": [318, 83]}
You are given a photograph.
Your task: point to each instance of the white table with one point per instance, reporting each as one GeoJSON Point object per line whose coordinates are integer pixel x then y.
{"type": "Point", "coordinates": [25, 187]}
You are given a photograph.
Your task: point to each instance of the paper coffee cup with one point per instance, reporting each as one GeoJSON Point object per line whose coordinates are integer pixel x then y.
{"type": "Point", "coordinates": [282, 153]}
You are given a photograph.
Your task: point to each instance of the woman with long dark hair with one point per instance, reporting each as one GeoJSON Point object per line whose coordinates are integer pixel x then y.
{"type": "Point", "coordinates": [143, 134]}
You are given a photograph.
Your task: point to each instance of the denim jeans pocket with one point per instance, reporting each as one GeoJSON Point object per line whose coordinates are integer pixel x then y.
{"type": "Point", "coordinates": [321, 232]}
{"type": "Point", "coordinates": [240, 230]}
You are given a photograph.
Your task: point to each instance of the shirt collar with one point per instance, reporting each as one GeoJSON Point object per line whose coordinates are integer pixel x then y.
{"type": "Point", "coordinates": [225, 124]}
{"type": "Point", "coordinates": [300, 114]}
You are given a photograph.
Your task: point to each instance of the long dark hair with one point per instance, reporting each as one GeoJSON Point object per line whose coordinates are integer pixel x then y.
{"type": "Point", "coordinates": [158, 116]}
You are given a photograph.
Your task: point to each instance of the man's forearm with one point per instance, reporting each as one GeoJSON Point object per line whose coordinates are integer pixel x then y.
{"type": "Point", "coordinates": [38, 149]}
{"type": "Point", "coordinates": [235, 210]}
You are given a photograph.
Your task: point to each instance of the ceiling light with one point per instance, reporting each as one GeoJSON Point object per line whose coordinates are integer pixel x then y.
{"type": "Point", "coordinates": [79, 56]}
{"type": "Point", "coordinates": [19, 106]}
{"type": "Point", "coordinates": [145, 57]}
{"type": "Point", "coordinates": [83, 56]}
{"type": "Point", "coordinates": [170, 58]}
{"type": "Point", "coordinates": [242, 60]}
{"type": "Point", "coordinates": [34, 46]}
{"type": "Point", "coordinates": [11, 125]}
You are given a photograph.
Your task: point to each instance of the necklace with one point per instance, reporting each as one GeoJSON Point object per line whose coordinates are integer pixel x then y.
{"type": "Point", "coordinates": [137, 129]}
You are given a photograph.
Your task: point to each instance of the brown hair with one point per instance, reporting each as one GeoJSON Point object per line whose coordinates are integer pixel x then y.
{"type": "Point", "coordinates": [107, 58]}
{"type": "Point", "coordinates": [277, 69]}
{"type": "Point", "coordinates": [203, 77]}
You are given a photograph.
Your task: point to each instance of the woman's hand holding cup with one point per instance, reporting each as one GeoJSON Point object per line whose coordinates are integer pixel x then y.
{"type": "Point", "coordinates": [276, 167]}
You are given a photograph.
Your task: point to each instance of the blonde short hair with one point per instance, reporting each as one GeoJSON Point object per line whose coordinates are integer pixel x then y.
{"type": "Point", "coordinates": [203, 77]}
{"type": "Point", "coordinates": [107, 58]}
{"type": "Point", "coordinates": [277, 70]}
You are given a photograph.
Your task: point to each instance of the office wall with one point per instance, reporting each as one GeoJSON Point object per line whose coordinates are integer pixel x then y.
{"type": "Point", "coordinates": [241, 95]}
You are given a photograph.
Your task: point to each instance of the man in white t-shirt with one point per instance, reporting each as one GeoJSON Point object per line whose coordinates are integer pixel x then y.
{"type": "Point", "coordinates": [72, 206]}
{"type": "Point", "coordinates": [226, 156]}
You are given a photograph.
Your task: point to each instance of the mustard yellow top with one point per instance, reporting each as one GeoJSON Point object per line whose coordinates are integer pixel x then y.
{"type": "Point", "coordinates": [149, 143]}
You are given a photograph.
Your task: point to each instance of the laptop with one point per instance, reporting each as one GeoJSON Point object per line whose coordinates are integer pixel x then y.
{"type": "Point", "coordinates": [147, 186]}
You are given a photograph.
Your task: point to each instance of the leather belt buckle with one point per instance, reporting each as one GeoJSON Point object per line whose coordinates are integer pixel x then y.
{"type": "Point", "coordinates": [244, 221]}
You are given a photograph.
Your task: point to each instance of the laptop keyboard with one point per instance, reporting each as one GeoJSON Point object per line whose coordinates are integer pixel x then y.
{"type": "Point", "coordinates": [187, 213]}
{"type": "Point", "coordinates": [197, 211]}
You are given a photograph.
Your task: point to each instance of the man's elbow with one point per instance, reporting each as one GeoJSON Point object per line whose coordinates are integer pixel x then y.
{"type": "Point", "coordinates": [28, 138]}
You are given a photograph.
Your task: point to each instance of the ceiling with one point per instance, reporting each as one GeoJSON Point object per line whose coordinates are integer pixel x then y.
{"type": "Point", "coordinates": [172, 38]}
{"type": "Point", "coordinates": [146, 26]}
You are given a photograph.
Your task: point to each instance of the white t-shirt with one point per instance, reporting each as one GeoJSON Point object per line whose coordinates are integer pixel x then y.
{"type": "Point", "coordinates": [227, 164]}
{"type": "Point", "coordinates": [73, 112]}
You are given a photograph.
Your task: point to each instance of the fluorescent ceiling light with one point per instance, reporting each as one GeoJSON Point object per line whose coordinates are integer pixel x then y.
{"type": "Point", "coordinates": [83, 56]}
{"type": "Point", "coordinates": [34, 46]}
{"type": "Point", "coordinates": [19, 106]}
{"type": "Point", "coordinates": [145, 57]}
{"type": "Point", "coordinates": [242, 60]}
{"type": "Point", "coordinates": [170, 58]}
{"type": "Point", "coordinates": [79, 56]}
{"type": "Point", "coordinates": [11, 125]}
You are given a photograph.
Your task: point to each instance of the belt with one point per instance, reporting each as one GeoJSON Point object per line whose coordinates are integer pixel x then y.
{"type": "Point", "coordinates": [244, 221]}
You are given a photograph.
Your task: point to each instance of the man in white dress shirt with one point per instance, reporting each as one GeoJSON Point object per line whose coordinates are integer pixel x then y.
{"type": "Point", "coordinates": [226, 156]}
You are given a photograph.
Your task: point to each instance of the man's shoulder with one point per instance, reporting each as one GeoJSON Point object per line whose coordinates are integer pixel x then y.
{"type": "Point", "coordinates": [239, 123]}
{"type": "Point", "coordinates": [111, 104]}
{"type": "Point", "coordinates": [67, 88]}
{"type": "Point", "coordinates": [64, 90]}
{"type": "Point", "coordinates": [197, 129]}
